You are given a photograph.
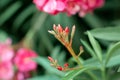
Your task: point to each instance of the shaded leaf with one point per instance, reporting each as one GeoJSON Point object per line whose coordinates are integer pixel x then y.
{"type": "Point", "coordinates": [9, 12]}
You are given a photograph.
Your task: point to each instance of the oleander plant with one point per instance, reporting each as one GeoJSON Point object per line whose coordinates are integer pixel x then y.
{"type": "Point", "coordinates": [59, 40]}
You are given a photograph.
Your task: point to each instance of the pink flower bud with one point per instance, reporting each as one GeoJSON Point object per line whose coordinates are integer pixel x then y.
{"type": "Point", "coordinates": [66, 30]}
{"type": "Point", "coordinates": [50, 59]}
{"type": "Point", "coordinates": [59, 68]}
{"type": "Point", "coordinates": [60, 29]}
{"type": "Point", "coordinates": [66, 65]}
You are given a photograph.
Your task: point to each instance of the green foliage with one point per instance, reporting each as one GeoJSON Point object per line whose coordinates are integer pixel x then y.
{"type": "Point", "coordinates": [108, 33]}
{"type": "Point", "coordinates": [20, 20]}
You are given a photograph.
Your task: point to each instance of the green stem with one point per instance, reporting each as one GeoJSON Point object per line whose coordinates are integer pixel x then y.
{"type": "Point", "coordinates": [92, 75]}
{"type": "Point", "coordinates": [74, 55]}
{"type": "Point", "coordinates": [103, 71]}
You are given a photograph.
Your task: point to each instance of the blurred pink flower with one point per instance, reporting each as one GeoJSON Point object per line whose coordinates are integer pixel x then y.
{"type": "Point", "coordinates": [19, 76]}
{"type": "Point", "coordinates": [50, 6]}
{"type": "Point", "coordinates": [6, 71]}
{"type": "Point", "coordinates": [22, 75]}
{"type": "Point", "coordinates": [88, 6]}
{"type": "Point", "coordinates": [6, 52]}
{"type": "Point", "coordinates": [70, 7]}
{"type": "Point", "coordinates": [23, 60]}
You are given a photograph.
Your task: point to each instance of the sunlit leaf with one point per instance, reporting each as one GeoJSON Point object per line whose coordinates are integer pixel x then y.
{"type": "Point", "coordinates": [95, 46]}
{"type": "Point", "coordinates": [111, 51]}
{"type": "Point", "coordinates": [70, 75]}
{"type": "Point", "coordinates": [89, 49]}
{"type": "Point", "coordinates": [109, 33]}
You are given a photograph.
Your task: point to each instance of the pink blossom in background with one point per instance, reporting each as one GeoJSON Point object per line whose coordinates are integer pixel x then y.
{"type": "Point", "coordinates": [20, 76]}
{"type": "Point", "coordinates": [88, 6]}
{"type": "Point", "coordinates": [50, 6]}
{"type": "Point", "coordinates": [70, 7]}
{"type": "Point", "coordinates": [6, 52]}
{"type": "Point", "coordinates": [23, 60]}
{"type": "Point", "coordinates": [6, 71]}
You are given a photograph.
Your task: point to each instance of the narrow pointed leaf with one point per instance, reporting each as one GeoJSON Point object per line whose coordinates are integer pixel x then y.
{"type": "Point", "coordinates": [95, 46]}
{"type": "Point", "coordinates": [112, 50]}
{"type": "Point", "coordinates": [89, 49]}
{"type": "Point", "coordinates": [70, 75]}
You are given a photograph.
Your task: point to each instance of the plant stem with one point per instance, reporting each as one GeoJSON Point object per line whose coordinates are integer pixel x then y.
{"type": "Point", "coordinates": [73, 54]}
{"type": "Point", "coordinates": [103, 71]}
{"type": "Point", "coordinates": [92, 75]}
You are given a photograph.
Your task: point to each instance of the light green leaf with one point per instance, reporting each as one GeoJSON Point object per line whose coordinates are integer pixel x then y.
{"type": "Point", "coordinates": [95, 46]}
{"type": "Point", "coordinates": [70, 75]}
{"type": "Point", "coordinates": [109, 33]}
{"type": "Point", "coordinates": [46, 77]}
{"type": "Point", "coordinates": [111, 51]}
{"type": "Point", "coordinates": [115, 60]}
{"type": "Point", "coordinates": [89, 49]}
{"type": "Point", "coordinates": [3, 36]}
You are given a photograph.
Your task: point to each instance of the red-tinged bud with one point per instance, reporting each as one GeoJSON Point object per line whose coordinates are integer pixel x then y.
{"type": "Point", "coordinates": [59, 68]}
{"type": "Point", "coordinates": [54, 27]}
{"type": "Point", "coordinates": [50, 59]}
{"type": "Point", "coordinates": [60, 29]}
{"type": "Point", "coordinates": [66, 65]}
{"type": "Point", "coordinates": [66, 30]}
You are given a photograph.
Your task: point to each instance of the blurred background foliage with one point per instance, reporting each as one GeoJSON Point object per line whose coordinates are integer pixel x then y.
{"type": "Point", "coordinates": [20, 20]}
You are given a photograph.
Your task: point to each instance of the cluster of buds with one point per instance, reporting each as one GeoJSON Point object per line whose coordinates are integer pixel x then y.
{"type": "Point", "coordinates": [55, 64]}
{"type": "Point", "coordinates": [63, 34]}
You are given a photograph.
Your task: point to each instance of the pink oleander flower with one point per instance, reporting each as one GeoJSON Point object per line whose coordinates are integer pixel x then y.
{"type": "Point", "coordinates": [50, 6]}
{"type": "Point", "coordinates": [22, 75]}
{"type": "Point", "coordinates": [70, 7]}
{"type": "Point", "coordinates": [6, 52]}
{"type": "Point", "coordinates": [88, 6]}
{"type": "Point", "coordinates": [6, 71]}
{"type": "Point", "coordinates": [19, 76]}
{"type": "Point", "coordinates": [23, 60]}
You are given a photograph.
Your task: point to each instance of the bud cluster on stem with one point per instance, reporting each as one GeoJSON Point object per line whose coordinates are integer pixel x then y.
{"type": "Point", "coordinates": [55, 64]}
{"type": "Point", "coordinates": [63, 36]}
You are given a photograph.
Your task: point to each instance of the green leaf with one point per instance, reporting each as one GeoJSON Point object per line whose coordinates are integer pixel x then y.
{"type": "Point", "coordinates": [109, 33]}
{"type": "Point", "coordinates": [111, 51]}
{"type": "Point", "coordinates": [46, 77]}
{"type": "Point", "coordinates": [3, 36]}
{"type": "Point", "coordinates": [115, 60]}
{"type": "Point", "coordinates": [9, 12]}
{"type": "Point", "coordinates": [70, 75]}
{"type": "Point", "coordinates": [89, 49]}
{"type": "Point", "coordinates": [23, 16]}
{"type": "Point", "coordinates": [95, 46]}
